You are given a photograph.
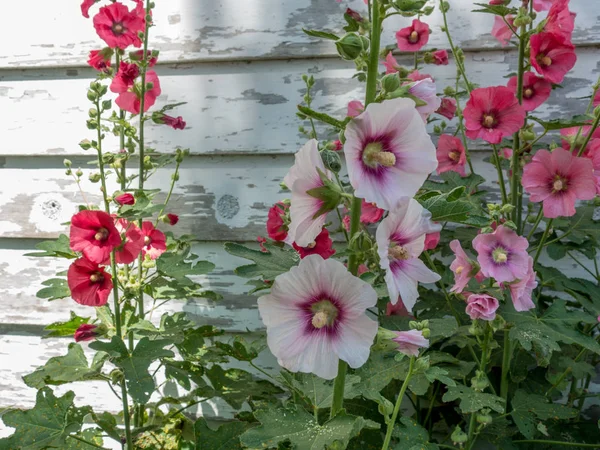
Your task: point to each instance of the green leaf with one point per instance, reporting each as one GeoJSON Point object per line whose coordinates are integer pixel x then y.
{"type": "Point", "coordinates": [300, 429]}
{"type": "Point", "coordinates": [317, 391]}
{"type": "Point", "coordinates": [266, 265]}
{"type": "Point", "coordinates": [409, 5]}
{"type": "Point", "coordinates": [47, 425]}
{"type": "Point", "coordinates": [410, 435]}
{"type": "Point", "coordinates": [452, 180]}
{"type": "Point", "coordinates": [67, 369]}
{"type": "Point", "coordinates": [379, 370]}
{"type": "Point", "coordinates": [108, 424]}
{"type": "Point", "coordinates": [57, 288]}
{"type": "Point", "coordinates": [242, 350]}
{"type": "Point", "coordinates": [235, 386]}
{"type": "Point", "coordinates": [559, 124]}
{"type": "Point", "coordinates": [498, 10]}
{"type": "Point", "coordinates": [68, 328]}
{"type": "Point", "coordinates": [226, 437]}
{"type": "Point", "coordinates": [437, 373]}
{"type": "Point", "coordinates": [472, 401]}
{"type": "Point", "coordinates": [321, 34]}
{"type": "Point", "coordinates": [529, 408]}
{"type": "Point", "coordinates": [174, 265]}
{"type": "Point", "coordinates": [93, 435]}
{"type": "Point", "coordinates": [448, 208]}
{"type": "Point", "coordinates": [59, 248]}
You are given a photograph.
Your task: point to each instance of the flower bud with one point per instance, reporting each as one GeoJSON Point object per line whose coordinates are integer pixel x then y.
{"type": "Point", "coordinates": [459, 436]}
{"type": "Point", "coordinates": [125, 199]}
{"type": "Point", "coordinates": [79, 173]}
{"type": "Point", "coordinates": [349, 46]}
{"type": "Point", "coordinates": [479, 382]}
{"type": "Point", "coordinates": [483, 417]}
{"type": "Point", "coordinates": [422, 364]}
{"type": "Point", "coordinates": [331, 160]}
{"type": "Point", "coordinates": [449, 91]}
{"type": "Point", "coordinates": [426, 332]}
{"type": "Point", "coordinates": [94, 177]}
{"type": "Point", "coordinates": [68, 172]}
{"type": "Point", "coordinates": [85, 144]}
{"type": "Point", "coordinates": [148, 263]}
{"type": "Point", "coordinates": [390, 82]}
{"type": "Point", "coordinates": [171, 219]}
{"type": "Point", "coordinates": [526, 134]}
{"type": "Point", "coordinates": [413, 325]}
{"type": "Point", "coordinates": [67, 162]}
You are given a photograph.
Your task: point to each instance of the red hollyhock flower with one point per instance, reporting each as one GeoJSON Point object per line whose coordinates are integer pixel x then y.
{"type": "Point", "coordinates": [125, 77]}
{"type": "Point", "coordinates": [560, 20]}
{"type": "Point", "coordinates": [370, 213]}
{"type": "Point", "coordinates": [155, 242]}
{"type": "Point", "coordinates": [177, 123]}
{"type": "Point", "coordinates": [321, 246]}
{"type": "Point", "coordinates": [173, 219]}
{"type": "Point", "coordinates": [447, 108]}
{"type": "Point", "coordinates": [536, 90]}
{"type": "Point", "coordinates": [94, 234]}
{"type": "Point", "coordinates": [276, 227]}
{"type": "Point", "coordinates": [440, 57]}
{"type": "Point", "coordinates": [552, 56]}
{"type": "Point", "coordinates": [85, 7]}
{"type": "Point", "coordinates": [125, 199]}
{"type": "Point", "coordinates": [90, 285]}
{"type": "Point", "coordinates": [85, 332]}
{"type": "Point", "coordinates": [451, 155]}
{"type": "Point", "coordinates": [118, 26]}
{"type": "Point", "coordinates": [493, 113]}
{"type": "Point", "coordinates": [130, 100]}
{"type": "Point", "coordinates": [413, 38]}
{"type": "Point", "coordinates": [100, 59]}
{"type": "Point", "coordinates": [132, 242]}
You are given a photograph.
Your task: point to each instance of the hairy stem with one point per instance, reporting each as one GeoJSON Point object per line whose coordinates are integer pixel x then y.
{"type": "Point", "coordinates": [392, 422]}
{"type": "Point", "coordinates": [541, 244]}
{"type": "Point", "coordinates": [506, 358]}
{"type": "Point", "coordinates": [482, 367]}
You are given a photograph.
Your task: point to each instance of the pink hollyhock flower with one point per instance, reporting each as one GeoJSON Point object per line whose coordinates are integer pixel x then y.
{"type": "Point", "coordinates": [276, 227]}
{"type": "Point", "coordinates": [90, 285]}
{"type": "Point", "coordinates": [409, 342]}
{"type": "Point", "coordinates": [463, 268]}
{"type": "Point", "coordinates": [447, 108]}
{"type": "Point", "coordinates": [558, 179]}
{"type": "Point", "coordinates": [396, 310]}
{"type": "Point", "coordinates": [125, 199]}
{"type": "Point", "coordinates": [413, 38]}
{"type": "Point", "coordinates": [100, 59]}
{"type": "Point", "coordinates": [173, 219]}
{"type": "Point", "coordinates": [502, 254]}
{"type": "Point", "coordinates": [493, 113]}
{"type": "Point", "coordinates": [155, 242]}
{"type": "Point", "coordinates": [130, 101]}
{"type": "Point", "coordinates": [303, 177]}
{"type": "Point", "coordinates": [482, 306]}
{"type": "Point", "coordinates": [451, 155]}
{"type": "Point", "coordinates": [501, 31]}
{"type": "Point", "coordinates": [552, 56]}
{"type": "Point", "coordinates": [355, 108]}
{"type": "Point", "coordinates": [94, 234]}
{"type": "Point", "coordinates": [432, 240]}
{"type": "Point", "coordinates": [85, 7]}
{"type": "Point", "coordinates": [388, 152]}
{"type": "Point", "coordinates": [323, 321]}
{"type": "Point", "coordinates": [440, 57]}
{"type": "Point", "coordinates": [542, 5]}
{"type": "Point", "coordinates": [424, 90]}
{"type": "Point", "coordinates": [132, 242]}
{"type": "Point", "coordinates": [346, 223]}
{"type": "Point", "coordinates": [390, 63]}
{"type": "Point", "coordinates": [125, 77]}
{"type": "Point", "coordinates": [506, 152]}
{"type": "Point", "coordinates": [536, 90]}
{"type": "Point", "coordinates": [370, 213]}
{"type": "Point", "coordinates": [400, 241]}
{"type": "Point", "coordinates": [416, 76]}
{"type": "Point", "coordinates": [560, 20]}
{"type": "Point", "coordinates": [118, 26]}
{"type": "Point", "coordinates": [85, 332]}
{"type": "Point", "coordinates": [520, 292]}
{"type": "Point", "coordinates": [568, 136]}
{"type": "Point", "coordinates": [322, 246]}
{"type": "Point", "coordinates": [499, 2]}
{"type": "Point", "coordinates": [594, 156]}
{"type": "Point", "coordinates": [177, 123]}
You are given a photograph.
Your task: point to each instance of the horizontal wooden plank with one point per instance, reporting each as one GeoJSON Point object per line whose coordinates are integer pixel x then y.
{"type": "Point", "coordinates": [205, 30]}
{"type": "Point", "coordinates": [233, 107]}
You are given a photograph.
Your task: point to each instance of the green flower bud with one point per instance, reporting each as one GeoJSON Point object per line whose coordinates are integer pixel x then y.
{"type": "Point", "coordinates": [426, 333]}
{"type": "Point", "coordinates": [449, 91]}
{"type": "Point", "coordinates": [459, 436]}
{"type": "Point", "coordinates": [85, 144]}
{"type": "Point", "coordinates": [79, 173]}
{"type": "Point", "coordinates": [390, 82]}
{"type": "Point", "coordinates": [331, 160]}
{"type": "Point", "coordinates": [67, 162]}
{"type": "Point", "coordinates": [483, 417]}
{"type": "Point", "coordinates": [94, 177]}
{"type": "Point", "coordinates": [68, 172]}
{"type": "Point", "coordinates": [479, 382]}
{"type": "Point", "coordinates": [350, 46]}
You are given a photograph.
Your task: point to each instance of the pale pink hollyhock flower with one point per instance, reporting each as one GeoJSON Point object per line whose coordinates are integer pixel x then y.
{"type": "Point", "coordinates": [521, 291]}
{"type": "Point", "coordinates": [416, 76]}
{"type": "Point", "coordinates": [536, 90]}
{"type": "Point", "coordinates": [542, 5]}
{"type": "Point", "coordinates": [355, 108]}
{"type": "Point", "coordinates": [552, 56]}
{"type": "Point", "coordinates": [302, 177]}
{"type": "Point", "coordinates": [424, 90]}
{"type": "Point", "coordinates": [315, 316]}
{"type": "Point", "coordinates": [501, 31]}
{"type": "Point", "coordinates": [440, 57]}
{"type": "Point", "coordinates": [400, 241]}
{"type": "Point", "coordinates": [414, 37]}
{"type": "Point", "coordinates": [463, 268]}
{"type": "Point", "coordinates": [370, 213]}
{"type": "Point", "coordinates": [493, 113]}
{"type": "Point", "coordinates": [481, 306]}
{"type": "Point", "coordinates": [432, 240]}
{"type": "Point", "coordinates": [594, 156]}
{"type": "Point", "coordinates": [447, 108]}
{"type": "Point", "coordinates": [451, 155]}
{"type": "Point", "coordinates": [409, 342]}
{"type": "Point", "coordinates": [388, 152]}
{"type": "Point", "coordinates": [502, 255]}
{"type": "Point", "coordinates": [560, 20]}
{"type": "Point", "coordinates": [558, 179]}
{"type": "Point", "coordinates": [390, 63]}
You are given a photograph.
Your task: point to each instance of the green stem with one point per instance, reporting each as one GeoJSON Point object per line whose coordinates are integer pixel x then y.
{"type": "Point", "coordinates": [541, 244]}
{"type": "Point", "coordinates": [392, 422]}
{"type": "Point", "coordinates": [580, 264]}
{"type": "Point", "coordinates": [457, 60]}
{"type": "Point", "coordinates": [482, 367]}
{"type": "Point", "coordinates": [500, 174]}
{"type": "Point", "coordinates": [91, 444]}
{"type": "Point", "coordinates": [170, 193]}
{"type": "Point", "coordinates": [506, 358]}
{"type": "Point", "coordinates": [538, 219]}
{"type": "Point", "coordinates": [565, 373]}
{"type": "Point", "coordinates": [589, 135]}
{"type": "Point", "coordinates": [565, 444]}
{"type": "Point", "coordinates": [587, 111]}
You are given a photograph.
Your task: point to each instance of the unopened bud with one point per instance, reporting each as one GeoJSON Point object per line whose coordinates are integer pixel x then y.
{"type": "Point", "coordinates": [79, 173]}
{"type": "Point", "coordinates": [67, 162]}
{"type": "Point", "coordinates": [459, 436]}
{"type": "Point", "coordinates": [350, 46]}
{"type": "Point", "coordinates": [390, 82]}
{"type": "Point", "coordinates": [94, 177]}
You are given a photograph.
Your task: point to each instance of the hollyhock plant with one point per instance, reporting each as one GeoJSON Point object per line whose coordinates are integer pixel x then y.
{"type": "Point", "coordinates": [130, 100]}
{"type": "Point", "coordinates": [323, 321]}
{"type": "Point", "coordinates": [552, 56]}
{"type": "Point", "coordinates": [493, 113]}
{"type": "Point", "coordinates": [414, 37]}
{"type": "Point", "coordinates": [172, 219]}
{"type": "Point", "coordinates": [276, 227]}
{"type": "Point", "coordinates": [155, 242]}
{"type": "Point", "coordinates": [481, 306]}
{"type": "Point", "coordinates": [451, 155]}
{"type": "Point", "coordinates": [90, 285]}
{"type": "Point", "coordinates": [132, 242]}
{"type": "Point", "coordinates": [536, 90]}
{"type": "Point", "coordinates": [463, 268]}
{"type": "Point", "coordinates": [94, 234]}
{"type": "Point", "coordinates": [447, 108]}
{"type": "Point", "coordinates": [400, 241]}
{"type": "Point", "coordinates": [425, 91]}
{"type": "Point", "coordinates": [440, 57]}
{"type": "Point", "coordinates": [177, 123]}
{"type": "Point", "coordinates": [410, 342]}
{"type": "Point", "coordinates": [85, 7]}
{"type": "Point", "coordinates": [355, 108]}
{"type": "Point", "coordinates": [322, 246]}
{"type": "Point", "coordinates": [118, 26]}
{"type": "Point", "coordinates": [502, 255]}
{"type": "Point", "coordinates": [100, 59]}
{"type": "Point", "coordinates": [85, 332]}
{"type": "Point", "coordinates": [521, 290]}
{"type": "Point", "coordinates": [125, 77]}
{"type": "Point", "coordinates": [501, 31]}
{"type": "Point", "coordinates": [560, 20]}
{"type": "Point", "coordinates": [388, 152]}
{"type": "Point", "coordinates": [558, 179]}
{"type": "Point", "coordinates": [125, 199]}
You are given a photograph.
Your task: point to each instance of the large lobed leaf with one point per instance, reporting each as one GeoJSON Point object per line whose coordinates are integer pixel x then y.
{"type": "Point", "coordinates": [529, 408]}
{"type": "Point", "coordinates": [266, 264]}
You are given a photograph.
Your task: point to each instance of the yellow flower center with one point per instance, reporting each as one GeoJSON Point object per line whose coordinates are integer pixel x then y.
{"type": "Point", "coordinates": [459, 270]}
{"type": "Point", "coordinates": [560, 184]}
{"type": "Point", "coordinates": [545, 60]}
{"type": "Point", "coordinates": [101, 234]}
{"type": "Point", "coordinates": [454, 156]}
{"type": "Point", "coordinates": [96, 277]}
{"type": "Point", "coordinates": [147, 240]}
{"type": "Point", "coordinates": [311, 245]}
{"type": "Point", "coordinates": [398, 252]}
{"type": "Point", "coordinates": [324, 314]}
{"type": "Point", "coordinates": [414, 37]}
{"type": "Point", "coordinates": [488, 121]}
{"type": "Point", "coordinates": [500, 255]}
{"type": "Point", "coordinates": [528, 93]}
{"type": "Point", "coordinates": [373, 155]}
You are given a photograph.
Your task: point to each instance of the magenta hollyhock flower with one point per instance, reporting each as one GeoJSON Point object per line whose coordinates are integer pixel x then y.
{"type": "Point", "coordinates": [502, 255]}
{"type": "Point", "coordinates": [125, 77]}
{"type": "Point", "coordinates": [370, 213]}
{"type": "Point", "coordinates": [125, 199]}
{"type": "Point", "coordinates": [155, 242]}
{"type": "Point", "coordinates": [447, 108]}
{"type": "Point", "coordinates": [542, 5]}
{"type": "Point", "coordinates": [322, 246]}
{"type": "Point", "coordinates": [85, 7]}
{"type": "Point", "coordinates": [85, 332]}
{"type": "Point", "coordinates": [440, 57]}
{"type": "Point", "coordinates": [130, 100]}
{"type": "Point", "coordinates": [400, 241]}
{"type": "Point", "coordinates": [552, 56]}
{"type": "Point", "coordinates": [416, 76]}
{"type": "Point", "coordinates": [90, 285]}
{"type": "Point", "coordinates": [409, 342]}
{"type": "Point", "coordinates": [501, 31]}
{"type": "Point", "coordinates": [390, 63]}
{"type": "Point", "coordinates": [558, 179]}
{"type": "Point", "coordinates": [355, 108]}
{"type": "Point", "coordinates": [481, 306]}
{"type": "Point", "coordinates": [451, 155]}
{"type": "Point", "coordinates": [424, 90]}
{"type": "Point", "coordinates": [276, 227]}
{"type": "Point", "coordinates": [432, 240]}
{"type": "Point", "coordinates": [118, 26]}
{"type": "Point", "coordinates": [315, 316]}
{"type": "Point", "coordinates": [413, 38]}
{"type": "Point", "coordinates": [388, 152]}
{"type": "Point", "coordinates": [493, 113]}
{"type": "Point", "coordinates": [100, 59]}
{"type": "Point", "coordinates": [302, 177]}
{"type": "Point", "coordinates": [463, 268]}
{"type": "Point", "coordinates": [560, 20]}
{"type": "Point", "coordinates": [536, 90]}
{"type": "Point", "coordinates": [132, 242]}
{"type": "Point", "coordinates": [520, 291]}
{"type": "Point", "coordinates": [94, 234]}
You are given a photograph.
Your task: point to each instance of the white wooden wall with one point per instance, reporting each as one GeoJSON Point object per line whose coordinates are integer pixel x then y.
{"type": "Point", "coordinates": [238, 64]}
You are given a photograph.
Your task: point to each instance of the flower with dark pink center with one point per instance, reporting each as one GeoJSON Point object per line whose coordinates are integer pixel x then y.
{"type": "Point", "coordinates": [557, 180]}
{"type": "Point", "coordinates": [118, 26]}
{"type": "Point", "coordinates": [447, 108]}
{"type": "Point", "coordinates": [409, 342]}
{"type": "Point", "coordinates": [94, 234]}
{"type": "Point", "coordinates": [413, 38]}
{"type": "Point", "coordinates": [463, 268]}
{"type": "Point", "coordinates": [481, 306]}
{"type": "Point", "coordinates": [323, 321]}
{"type": "Point", "coordinates": [100, 59]}
{"type": "Point", "coordinates": [501, 31]}
{"type": "Point", "coordinates": [322, 246]}
{"type": "Point", "coordinates": [451, 155]}
{"type": "Point", "coordinates": [552, 56]}
{"type": "Point", "coordinates": [536, 90]}
{"type": "Point", "coordinates": [90, 285]}
{"type": "Point", "coordinates": [155, 242]}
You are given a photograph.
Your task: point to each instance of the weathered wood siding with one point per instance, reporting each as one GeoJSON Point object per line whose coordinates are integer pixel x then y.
{"type": "Point", "coordinates": [239, 65]}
